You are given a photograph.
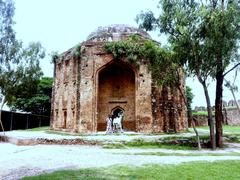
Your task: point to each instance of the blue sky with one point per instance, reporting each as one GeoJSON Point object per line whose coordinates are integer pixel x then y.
{"type": "Point", "coordinates": [61, 24]}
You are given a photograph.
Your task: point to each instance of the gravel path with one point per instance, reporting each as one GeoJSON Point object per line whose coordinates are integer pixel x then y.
{"type": "Point", "coordinates": [100, 136]}
{"type": "Point", "coordinates": [19, 161]}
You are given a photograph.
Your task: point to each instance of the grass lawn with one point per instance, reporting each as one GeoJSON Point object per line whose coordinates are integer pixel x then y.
{"type": "Point", "coordinates": [188, 154]}
{"type": "Point", "coordinates": [144, 144]}
{"type": "Point", "coordinates": [139, 143]}
{"type": "Point", "coordinates": [226, 128]}
{"type": "Point", "coordinates": [194, 170]}
{"type": "Point", "coordinates": [148, 145]}
{"type": "Point", "coordinates": [231, 133]}
{"type": "Point", "coordinates": [200, 113]}
{"type": "Point", "coordinates": [232, 129]}
{"type": "Point", "coordinates": [43, 128]}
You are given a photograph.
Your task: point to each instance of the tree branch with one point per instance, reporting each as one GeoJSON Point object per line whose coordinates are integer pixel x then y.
{"type": "Point", "coordinates": [231, 69]}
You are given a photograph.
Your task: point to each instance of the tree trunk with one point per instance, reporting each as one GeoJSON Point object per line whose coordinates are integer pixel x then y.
{"type": "Point", "coordinates": [218, 100]}
{"type": "Point", "coordinates": [210, 116]}
{"type": "Point", "coordinates": [196, 132]}
{"type": "Point", "coordinates": [218, 104]}
{"type": "Point", "coordinates": [3, 102]}
{"type": "Point", "coordinates": [190, 118]}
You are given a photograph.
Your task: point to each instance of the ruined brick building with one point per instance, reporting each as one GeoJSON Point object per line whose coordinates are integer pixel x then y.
{"type": "Point", "coordinates": [89, 84]}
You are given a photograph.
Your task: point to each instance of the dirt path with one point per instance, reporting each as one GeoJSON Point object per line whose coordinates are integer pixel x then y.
{"type": "Point", "coordinates": [100, 136]}
{"type": "Point", "coordinates": [19, 161]}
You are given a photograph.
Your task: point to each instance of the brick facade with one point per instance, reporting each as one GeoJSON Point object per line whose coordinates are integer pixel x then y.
{"type": "Point", "coordinates": [89, 87]}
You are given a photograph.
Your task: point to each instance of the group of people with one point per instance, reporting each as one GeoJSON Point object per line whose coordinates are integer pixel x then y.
{"type": "Point", "coordinates": [114, 123]}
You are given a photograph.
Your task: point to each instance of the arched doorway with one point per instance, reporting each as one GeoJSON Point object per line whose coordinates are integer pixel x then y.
{"type": "Point", "coordinates": [116, 111]}
{"type": "Point", "coordinates": [116, 92]}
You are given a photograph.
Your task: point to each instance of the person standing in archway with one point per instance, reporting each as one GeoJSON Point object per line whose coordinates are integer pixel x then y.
{"type": "Point", "coordinates": [109, 124]}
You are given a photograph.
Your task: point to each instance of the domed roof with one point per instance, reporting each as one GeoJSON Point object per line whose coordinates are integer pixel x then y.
{"type": "Point", "coordinates": [116, 32]}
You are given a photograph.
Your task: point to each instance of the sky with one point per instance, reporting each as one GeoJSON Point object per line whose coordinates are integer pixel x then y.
{"type": "Point", "coordinates": [61, 24]}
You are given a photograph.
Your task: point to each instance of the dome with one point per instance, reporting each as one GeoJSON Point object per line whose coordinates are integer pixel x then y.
{"type": "Point", "coordinates": [116, 32]}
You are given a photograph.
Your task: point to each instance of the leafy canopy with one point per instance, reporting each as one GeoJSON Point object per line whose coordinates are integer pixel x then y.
{"type": "Point", "coordinates": [39, 101]}
{"type": "Point", "coordinates": [197, 32]}
{"type": "Point", "coordinates": [19, 66]}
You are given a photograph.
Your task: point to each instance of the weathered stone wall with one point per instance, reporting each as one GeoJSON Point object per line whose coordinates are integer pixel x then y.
{"type": "Point", "coordinates": [86, 90]}
{"type": "Point", "coordinates": [233, 117]}
{"type": "Point", "coordinates": [201, 120]}
{"type": "Point", "coordinates": [143, 100]}
{"type": "Point", "coordinates": [65, 92]}
{"type": "Point", "coordinates": [169, 112]}
{"type": "Point", "coordinates": [89, 87]}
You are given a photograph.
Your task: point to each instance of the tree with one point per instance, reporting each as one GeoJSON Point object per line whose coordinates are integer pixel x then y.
{"type": "Point", "coordinates": [189, 96]}
{"type": "Point", "coordinates": [21, 74]}
{"type": "Point", "coordinates": [233, 88]}
{"type": "Point", "coordinates": [223, 37]}
{"type": "Point", "coordinates": [7, 35]}
{"type": "Point", "coordinates": [19, 66]}
{"type": "Point", "coordinates": [39, 101]}
{"type": "Point", "coordinates": [204, 37]}
{"type": "Point", "coordinates": [179, 22]}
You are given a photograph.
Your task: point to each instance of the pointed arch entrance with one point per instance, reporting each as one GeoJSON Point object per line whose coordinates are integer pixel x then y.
{"type": "Point", "coordinates": [115, 111]}
{"type": "Point", "coordinates": [116, 92]}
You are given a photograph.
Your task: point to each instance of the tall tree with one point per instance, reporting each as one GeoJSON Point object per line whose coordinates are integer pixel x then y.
{"type": "Point", "coordinates": [38, 102]}
{"type": "Point", "coordinates": [22, 73]}
{"type": "Point", "coordinates": [204, 37]}
{"type": "Point", "coordinates": [19, 66]}
{"type": "Point", "coordinates": [222, 34]}
{"type": "Point", "coordinates": [7, 35]}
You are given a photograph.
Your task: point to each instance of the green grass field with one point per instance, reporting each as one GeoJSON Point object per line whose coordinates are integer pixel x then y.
{"type": "Point", "coordinates": [228, 170]}
{"type": "Point", "coordinates": [226, 128]}
{"type": "Point", "coordinates": [200, 113]}
{"type": "Point", "coordinates": [145, 145]}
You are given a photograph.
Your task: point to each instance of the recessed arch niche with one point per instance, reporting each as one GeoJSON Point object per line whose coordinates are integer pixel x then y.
{"type": "Point", "coordinates": [116, 90]}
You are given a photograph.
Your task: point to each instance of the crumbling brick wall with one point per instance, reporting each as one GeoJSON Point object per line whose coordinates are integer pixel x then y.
{"type": "Point", "coordinates": [89, 87]}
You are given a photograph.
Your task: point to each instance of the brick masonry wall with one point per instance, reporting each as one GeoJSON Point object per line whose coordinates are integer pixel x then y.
{"type": "Point", "coordinates": [87, 89]}
{"type": "Point", "coordinates": [231, 117]}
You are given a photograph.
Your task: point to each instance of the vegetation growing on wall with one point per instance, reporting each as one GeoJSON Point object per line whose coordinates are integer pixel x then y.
{"type": "Point", "coordinates": [75, 52]}
{"type": "Point", "coordinates": [161, 63]}
{"type": "Point", "coordinates": [54, 56]}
